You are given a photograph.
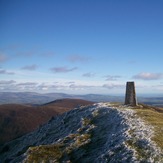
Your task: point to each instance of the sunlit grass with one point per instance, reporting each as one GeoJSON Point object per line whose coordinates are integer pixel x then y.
{"type": "Point", "coordinates": [56, 152]}
{"type": "Point", "coordinates": [44, 153]}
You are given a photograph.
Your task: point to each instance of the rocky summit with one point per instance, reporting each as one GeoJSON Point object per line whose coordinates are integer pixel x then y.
{"type": "Point", "coordinates": [97, 133]}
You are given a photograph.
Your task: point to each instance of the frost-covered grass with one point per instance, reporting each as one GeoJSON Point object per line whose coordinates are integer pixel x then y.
{"type": "Point", "coordinates": [63, 148]}
{"type": "Point", "coordinates": [155, 119]}
{"type": "Point", "coordinates": [139, 137]}
{"type": "Point", "coordinates": [57, 152]}
{"type": "Point", "coordinates": [151, 116]}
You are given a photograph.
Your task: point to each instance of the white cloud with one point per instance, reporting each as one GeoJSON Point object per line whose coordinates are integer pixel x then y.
{"type": "Point", "coordinates": [7, 85]}
{"type": "Point", "coordinates": [27, 84]}
{"type": "Point", "coordinates": [12, 85]}
{"type": "Point", "coordinates": [81, 87]}
{"type": "Point", "coordinates": [50, 87]}
{"type": "Point", "coordinates": [112, 85]}
{"type": "Point", "coordinates": [78, 87]}
{"type": "Point", "coordinates": [5, 72]}
{"type": "Point", "coordinates": [148, 76]}
{"type": "Point", "coordinates": [6, 82]}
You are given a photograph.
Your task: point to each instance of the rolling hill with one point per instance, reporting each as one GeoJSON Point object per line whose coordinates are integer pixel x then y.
{"type": "Point", "coordinates": [17, 120]}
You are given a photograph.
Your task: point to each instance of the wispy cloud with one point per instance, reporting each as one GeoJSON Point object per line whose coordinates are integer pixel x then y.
{"type": "Point", "coordinates": [89, 75]}
{"type": "Point", "coordinates": [78, 58]}
{"type": "Point", "coordinates": [62, 69]}
{"type": "Point", "coordinates": [71, 82]}
{"type": "Point", "coordinates": [80, 86]}
{"type": "Point", "coordinates": [2, 71]}
{"type": "Point", "coordinates": [51, 87]}
{"type": "Point", "coordinates": [12, 85]}
{"type": "Point", "coordinates": [27, 84]}
{"type": "Point", "coordinates": [148, 76]}
{"type": "Point", "coordinates": [30, 67]}
{"type": "Point", "coordinates": [112, 85]}
{"type": "Point", "coordinates": [7, 85]}
{"type": "Point", "coordinates": [6, 82]}
{"type": "Point", "coordinates": [112, 77]}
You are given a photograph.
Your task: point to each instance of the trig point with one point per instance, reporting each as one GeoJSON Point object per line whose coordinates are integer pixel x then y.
{"type": "Point", "coordinates": [130, 98]}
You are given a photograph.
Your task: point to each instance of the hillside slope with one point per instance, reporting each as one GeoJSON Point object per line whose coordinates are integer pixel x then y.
{"type": "Point", "coordinates": [17, 120]}
{"type": "Point", "coordinates": [96, 133]}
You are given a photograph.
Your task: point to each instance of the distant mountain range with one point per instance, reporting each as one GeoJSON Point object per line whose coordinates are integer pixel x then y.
{"type": "Point", "coordinates": [39, 99]}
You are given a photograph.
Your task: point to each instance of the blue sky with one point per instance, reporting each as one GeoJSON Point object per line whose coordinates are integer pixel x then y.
{"type": "Point", "coordinates": [81, 46]}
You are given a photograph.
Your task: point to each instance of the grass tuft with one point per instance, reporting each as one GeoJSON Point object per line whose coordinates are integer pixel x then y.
{"type": "Point", "coordinates": [44, 153]}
